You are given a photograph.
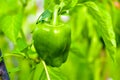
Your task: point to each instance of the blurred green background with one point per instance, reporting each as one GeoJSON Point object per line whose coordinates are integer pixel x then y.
{"type": "Point", "coordinates": [88, 58]}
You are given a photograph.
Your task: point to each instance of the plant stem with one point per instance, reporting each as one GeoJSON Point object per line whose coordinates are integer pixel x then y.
{"type": "Point", "coordinates": [55, 15]}
{"type": "Point", "coordinates": [16, 55]}
{"type": "Point", "coordinates": [48, 77]}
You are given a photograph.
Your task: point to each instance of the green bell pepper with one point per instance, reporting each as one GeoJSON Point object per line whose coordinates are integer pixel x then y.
{"type": "Point", "coordinates": [52, 43]}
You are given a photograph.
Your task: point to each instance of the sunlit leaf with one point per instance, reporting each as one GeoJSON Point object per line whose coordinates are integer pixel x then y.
{"type": "Point", "coordinates": [104, 28]}
{"type": "Point", "coordinates": [21, 44]}
{"type": "Point", "coordinates": [68, 3]}
{"type": "Point", "coordinates": [11, 25]}
{"type": "Point", "coordinates": [39, 69]}
{"type": "Point", "coordinates": [55, 74]}
{"type": "Point", "coordinates": [49, 4]}
{"type": "Point", "coordinates": [9, 6]}
{"type": "Point", "coordinates": [16, 69]}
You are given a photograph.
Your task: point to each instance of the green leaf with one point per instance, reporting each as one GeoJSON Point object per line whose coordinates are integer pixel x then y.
{"type": "Point", "coordinates": [32, 54]}
{"type": "Point", "coordinates": [105, 28]}
{"type": "Point", "coordinates": [64, 4]}
{"type": "Point", "coordinates": [73, 3]}
{"type": "Point", "coordinates": [11, 25]}
{"type": "Point", "coordinates": [57, 1]}
{"type": "Point", "coordinates": [55, 74]}
{"type": "Point", "coordinates": [16, 69]}
{"type": "Point", "coordinates": [95, 48]}
{"type": "Point", "coordinates": [43, 16]}
{"type": "Point", "coordinates": [68, 3]}
{"type": "Point", "coordinates": [49, 4]}
{"type": "Point", "coordinates": [37, 72]}
{"type": "Point", "coordinates": [78, 21]}
{"type": "Point", "coordinates": [6, 7]}
{"type": "Point", "coordinates": [79, 49]}
{"type": "Point", "coordinates": [21, 44]}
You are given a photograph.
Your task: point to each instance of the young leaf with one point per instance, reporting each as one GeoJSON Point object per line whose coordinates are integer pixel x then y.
{"type": "Point", "coordinates": [43, 16]}
{"type": "Point", "coordinates": [10, 25]}
{"type": "Point", "coordinates": [105, 28]}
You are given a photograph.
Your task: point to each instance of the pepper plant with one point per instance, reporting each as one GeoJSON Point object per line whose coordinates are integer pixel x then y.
{"type": "Point", "coordinates": [59, 39]}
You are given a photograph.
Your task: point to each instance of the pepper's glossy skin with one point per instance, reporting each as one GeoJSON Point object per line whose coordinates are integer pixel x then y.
{"type": "Point", "coordinates": [52, 43]}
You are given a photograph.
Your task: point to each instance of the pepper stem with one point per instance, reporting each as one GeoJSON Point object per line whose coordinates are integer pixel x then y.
{"type": "Point", "coordinates": [46, 71]}
{"type": "Point", "coordinates": [55, 15]}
